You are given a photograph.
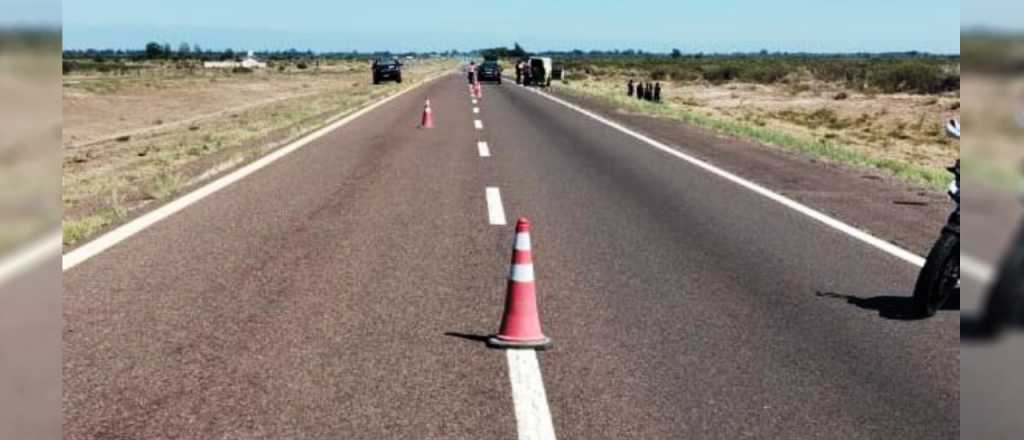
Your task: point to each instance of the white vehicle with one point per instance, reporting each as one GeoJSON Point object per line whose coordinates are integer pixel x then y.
{"type": "Point", "coordinates": [538, 72]}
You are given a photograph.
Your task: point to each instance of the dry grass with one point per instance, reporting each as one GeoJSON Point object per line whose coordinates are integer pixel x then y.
{"type": "Point", "coordinates": [29, 147]}
{"type": "Point", "coordinates": [208, 124]}
{"type": "Point", "coordinates": [898, 132]}
{"type": "Point", "coordinates": [994, 148]}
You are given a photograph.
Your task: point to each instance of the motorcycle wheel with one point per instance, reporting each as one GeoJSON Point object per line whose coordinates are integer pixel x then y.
{"type": "Point", "coordinates": [940, 277]}
{"type": "Point", "coordinates": [1007, 297]}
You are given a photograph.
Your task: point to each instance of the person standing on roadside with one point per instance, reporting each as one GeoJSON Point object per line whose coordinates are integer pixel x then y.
{"type": "Point", "coordinates": [640, 91]}
{"type": "Point", "coordinates": [657, 92]}
{"type": "Point", "coordinates": [629, 88]}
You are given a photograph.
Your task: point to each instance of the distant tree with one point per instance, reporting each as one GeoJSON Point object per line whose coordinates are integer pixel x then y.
{"type": "Point", "coordinates": [676, 53]}
{"type": "Point", "coordinates": [167, 51]}
{"type": "Point", "coordinates": [518, 51]}
{"type": "Point", "coordinates": [154, 51]}
{"type": "Point", "coordinates": [228, 54]}
{"type": "Point", "coordinates": [184, 50]}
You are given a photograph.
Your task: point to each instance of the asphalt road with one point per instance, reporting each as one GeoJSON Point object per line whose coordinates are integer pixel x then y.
{"type": "Point", "coordinates": [343, 292]}
{"type": "Point", "coordinates": [992, 392]}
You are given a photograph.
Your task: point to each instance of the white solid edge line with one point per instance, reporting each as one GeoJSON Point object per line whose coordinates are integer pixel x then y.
{"type": "Point", "coordinates": [478, 124]}
{"type": "Point", "coordinates": [836, 224]}
{"type": "Point", "coordinates": [976, 269]}
{"type": "Point", "coordinates": [485, 151]}
{"type": "Point", "coordinates": [112, 238]}
{"type": "Point", "coordinates": [495, 210]}
{"type": "Point", "coordinates": [533, 416]}
{"type": "Point", "coordinates": [28, 257]}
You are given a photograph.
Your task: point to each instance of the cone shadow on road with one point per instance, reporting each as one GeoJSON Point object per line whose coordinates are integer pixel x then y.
{"type": "Point", "coordinates": [475, 338]}
{"type": "Point", "coordinates": [900, 308]}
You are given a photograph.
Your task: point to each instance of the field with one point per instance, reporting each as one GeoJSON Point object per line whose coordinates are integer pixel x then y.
{"type": "Point", "coordinates": [30, 129]}
{"type": "Point", "coordinates": [139, 135]}
{"type": "Point", "coordinates": [882, 113]}
{"type": "Point", "coordinates": [993, 152]}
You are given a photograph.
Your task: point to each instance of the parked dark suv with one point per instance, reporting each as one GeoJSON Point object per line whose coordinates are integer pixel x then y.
{"type": "Point", "coordinates": [490, 71]}
{"type": "Point", "coordinates": [387, 70]}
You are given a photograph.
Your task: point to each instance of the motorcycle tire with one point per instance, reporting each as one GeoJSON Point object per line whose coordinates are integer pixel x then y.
{"type": "Point", "coordinates": [1006, 300]}
{"type": "Point", "coordinates": [934, 284]}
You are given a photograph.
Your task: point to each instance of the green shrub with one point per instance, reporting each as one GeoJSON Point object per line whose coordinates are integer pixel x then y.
{"type": "Point", "coordinates": [910, 77]}
{"type": "Point", "coordinates": [717, 74]}
{"type": "Point", "coordinates": [866, 74]}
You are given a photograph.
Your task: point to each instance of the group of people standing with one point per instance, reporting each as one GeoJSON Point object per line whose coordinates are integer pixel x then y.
{"type": "Point", "coordinates": [644, 91]}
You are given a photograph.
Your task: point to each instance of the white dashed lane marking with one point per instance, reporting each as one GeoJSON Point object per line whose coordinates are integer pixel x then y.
{"type": "Point", "coordinates": [485, 151]}
{"type": "Point", "coordinates": [533, 417]}
{"type": "Point", "coordinates": [478, 124]}
{"type": "Point", "coordinates": [495, 210]}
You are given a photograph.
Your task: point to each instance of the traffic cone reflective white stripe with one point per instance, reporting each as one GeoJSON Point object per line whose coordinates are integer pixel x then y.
{"type": "Point", "coordinates": [428, 116]}
{"type": "Point", "coordinates": [520, 325]}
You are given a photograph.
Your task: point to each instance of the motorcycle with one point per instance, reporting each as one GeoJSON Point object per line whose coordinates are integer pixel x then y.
{"type": "Point", "coordinates": [939, 280]}
{"type": "Point", "coordinates": [1006, 300]}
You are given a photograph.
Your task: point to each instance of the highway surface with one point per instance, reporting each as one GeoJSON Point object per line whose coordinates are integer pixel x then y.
{"type": "Point", "coordinates": [992, 391]}
{"type": "Point", "coordinates": [345, 290]}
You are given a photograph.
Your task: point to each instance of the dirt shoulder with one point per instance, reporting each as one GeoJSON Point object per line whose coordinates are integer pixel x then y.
{"type": "Point", "coordinates": [992, 150]}
{"type": "Point", "coordinates": [132, 143]}
{"type": "Point", "coordinates": [906, 214]}
{"type": "Point", "coordinates": [30, 127]}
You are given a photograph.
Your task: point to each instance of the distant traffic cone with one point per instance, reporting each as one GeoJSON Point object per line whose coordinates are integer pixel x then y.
{"type": "Point", "coordinates": [428, 116]}
{"type": "Point", "coordinates": [479, 91]}
{"type": "Point", "coordinates": [520, 326]}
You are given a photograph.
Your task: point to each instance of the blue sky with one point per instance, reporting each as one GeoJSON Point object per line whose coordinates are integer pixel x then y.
{"type": "Point", "coordinates": [399, 25]}
{"type": "Point", "coordinates": [30, 13]}
{"type": "Point", "coordinates": [998, 14]}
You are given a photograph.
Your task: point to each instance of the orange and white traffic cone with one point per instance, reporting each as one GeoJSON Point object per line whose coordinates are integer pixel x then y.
{"type": "Point", "coordinates": [479, 91]}
{"type": "Point", "coordinates": [520, 326]}
{"type": "Point", "coordinates": [428, 116]}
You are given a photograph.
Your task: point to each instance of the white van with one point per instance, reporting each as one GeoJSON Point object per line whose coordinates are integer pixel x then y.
{"type": "Point", "coordinates": [540, 72]}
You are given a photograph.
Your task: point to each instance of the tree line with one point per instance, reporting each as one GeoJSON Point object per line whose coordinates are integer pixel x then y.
{"type": "Point", "coordinates": [185, 51]}
{"type": "Point", "coordinates": [164, 51]}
